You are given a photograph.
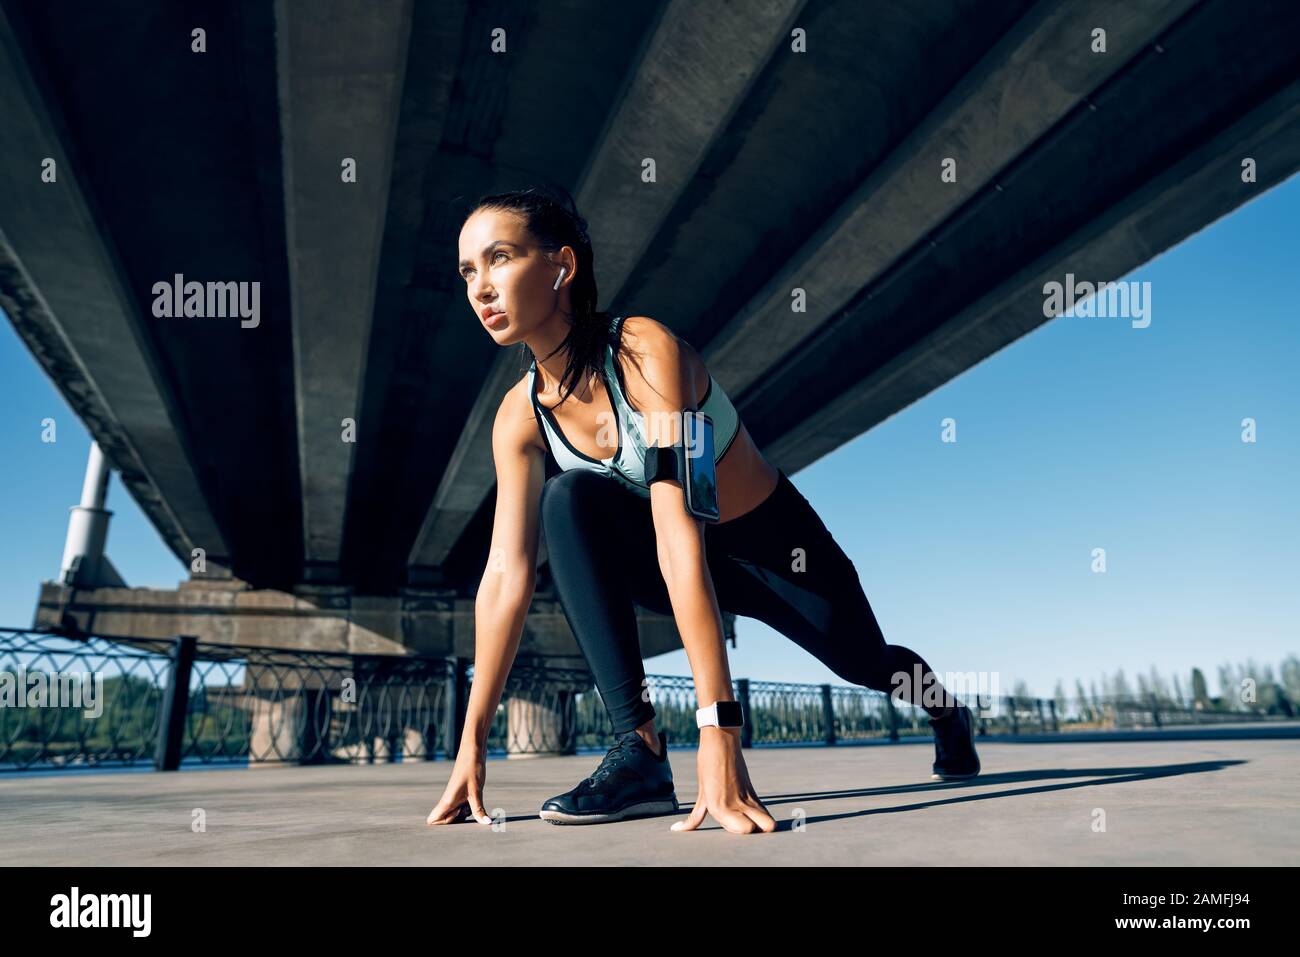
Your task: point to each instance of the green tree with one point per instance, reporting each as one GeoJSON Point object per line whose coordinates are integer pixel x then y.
{"type": "Point", "coordinates": [1085, 706]}
{"type": "Point", "coordinates": [1200, 692]}
{"type": "Point", "coordinates": [1290, 671]}
{"type": "Point", "coordinates": [1159, 687]}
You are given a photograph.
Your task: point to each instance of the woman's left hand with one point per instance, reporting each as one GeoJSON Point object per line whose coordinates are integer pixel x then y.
{"type": "Point", "coordinates": [724, 787]}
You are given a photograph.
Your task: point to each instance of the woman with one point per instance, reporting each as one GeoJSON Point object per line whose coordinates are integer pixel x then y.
{"type": "Point", "coordinates": [614, 543]}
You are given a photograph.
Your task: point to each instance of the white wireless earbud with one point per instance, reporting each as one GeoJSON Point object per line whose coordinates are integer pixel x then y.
{"type": "Point", "coordinates": [560, 279]}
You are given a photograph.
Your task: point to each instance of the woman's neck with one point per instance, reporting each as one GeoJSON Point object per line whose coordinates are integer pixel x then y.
{"type": "Point", "coordinates": [554, 366]}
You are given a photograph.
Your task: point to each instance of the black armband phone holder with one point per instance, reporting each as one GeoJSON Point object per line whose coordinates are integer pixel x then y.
{"type": "Point", "coordinates": [665, 463]}
{"type": "Point", "coordinates": [694, 468]}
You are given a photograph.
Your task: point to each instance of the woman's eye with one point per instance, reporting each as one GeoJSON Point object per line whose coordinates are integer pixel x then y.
{"type": "Point", "coordinates": [498, 253]}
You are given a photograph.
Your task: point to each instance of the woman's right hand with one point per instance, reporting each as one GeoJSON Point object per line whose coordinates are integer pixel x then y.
{"type": "Point", "coordinates": [463, 797]}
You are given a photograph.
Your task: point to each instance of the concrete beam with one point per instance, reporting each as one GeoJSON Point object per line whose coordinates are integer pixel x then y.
{"type": "Point", "coordinates": [62, 286]}
{"type": "Point", "coordinates": [341, 68]}
{"type": "Point", "coordinates": [677, 100]}
{"type": "Point", "coordinates": [1200, 188]}
{"type": "Point", "coordinates": [317, 618]}
{"type": "Point", "coordinates": [1040, 71]}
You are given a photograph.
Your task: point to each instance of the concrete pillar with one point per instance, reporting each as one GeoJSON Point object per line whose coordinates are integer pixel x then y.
{"type": "Point", "coordinates": [540, 721]}
{"type": "Point", "coordinates": [274, 730]}
{"type": "Point", "coordinates": [83, 549]}
{"type": "Point", "coordinates": [288, 726]}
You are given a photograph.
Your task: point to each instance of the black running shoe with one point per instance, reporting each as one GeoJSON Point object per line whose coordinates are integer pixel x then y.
{"type": "Point", "coordinates": [954, 746]}
{"type": "Point", "coordinates": [632, 781]}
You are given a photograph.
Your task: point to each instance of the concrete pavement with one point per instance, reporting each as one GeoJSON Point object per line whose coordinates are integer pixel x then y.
{"type": "Point", "coordinates": [1172, 802]}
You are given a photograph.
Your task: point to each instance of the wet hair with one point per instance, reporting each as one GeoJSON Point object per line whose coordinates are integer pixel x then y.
{"type": "Point", "coordinates": [551, 217]}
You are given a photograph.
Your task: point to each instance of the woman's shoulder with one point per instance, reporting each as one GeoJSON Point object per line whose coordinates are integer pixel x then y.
{"type": "Point", "coordinates": [645, 336]}
{"type": "Point", "coordinates": [649, 335]}
{"type": "Point", "coordinates": [644, 331]}
{"type": "Point", "coordinates": [515, 414]}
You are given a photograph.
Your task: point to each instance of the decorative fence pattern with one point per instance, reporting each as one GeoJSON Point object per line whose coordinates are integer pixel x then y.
{"type": "Point", "coordinates": [262, 707]}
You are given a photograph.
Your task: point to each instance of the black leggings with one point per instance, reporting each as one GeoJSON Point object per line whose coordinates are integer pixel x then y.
{"type": "Point", "coordinates": [601, 543]}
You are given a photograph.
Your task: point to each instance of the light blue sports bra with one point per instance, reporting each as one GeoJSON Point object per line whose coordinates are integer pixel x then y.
{"type": "Point", "coordinates": [627, 464]}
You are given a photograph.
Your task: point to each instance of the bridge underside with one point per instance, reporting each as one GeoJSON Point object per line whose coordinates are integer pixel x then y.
{"type": "Point", "coordinates": [784, 173]}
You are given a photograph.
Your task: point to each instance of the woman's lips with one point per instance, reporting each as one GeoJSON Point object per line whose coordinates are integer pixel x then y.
{"type": "Point", "coordinates": [494, 320]}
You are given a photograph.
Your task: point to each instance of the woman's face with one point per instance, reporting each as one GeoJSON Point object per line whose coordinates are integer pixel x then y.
{"type": "Point", "coordinates": [504, 269]}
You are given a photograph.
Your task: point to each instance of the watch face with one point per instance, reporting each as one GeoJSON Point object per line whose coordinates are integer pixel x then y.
{"type": "Point", "coordinates": [729, 714]}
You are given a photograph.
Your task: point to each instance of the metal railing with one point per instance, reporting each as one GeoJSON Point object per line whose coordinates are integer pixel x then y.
{"type": "Point", "coordinates": [263, 706]}
{"type": "Point", "coordinates": [243, 704]}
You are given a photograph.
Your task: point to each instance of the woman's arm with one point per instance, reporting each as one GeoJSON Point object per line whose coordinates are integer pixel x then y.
{"type": "Point", "coordinates": [504, 594]}
{"type": "Point", "coordinates": [665, 389]}
{"type": "Point", "coordinates": [502, 603]}
{"type": "Point", "coordinates": [725, 790]}
{"type": "Point", "coordinates": [506, 589]}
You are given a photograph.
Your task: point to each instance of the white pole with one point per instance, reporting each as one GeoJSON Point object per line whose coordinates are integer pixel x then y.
{"type": "Point", "coordinates": [87, 525]}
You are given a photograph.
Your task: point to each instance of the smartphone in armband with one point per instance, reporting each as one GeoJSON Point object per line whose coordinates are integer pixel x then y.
{"type": "Point", "coordinates": [691, 463]}
{"type": "Point", "coordinates": [701, 485]}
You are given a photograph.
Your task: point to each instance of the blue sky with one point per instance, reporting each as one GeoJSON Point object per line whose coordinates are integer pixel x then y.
{"type": "Point", "coordinates": [1087, 433]}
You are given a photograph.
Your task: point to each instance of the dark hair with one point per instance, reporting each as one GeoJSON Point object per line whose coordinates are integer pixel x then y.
{"type": "Point", "coordinates": [552, 218]}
